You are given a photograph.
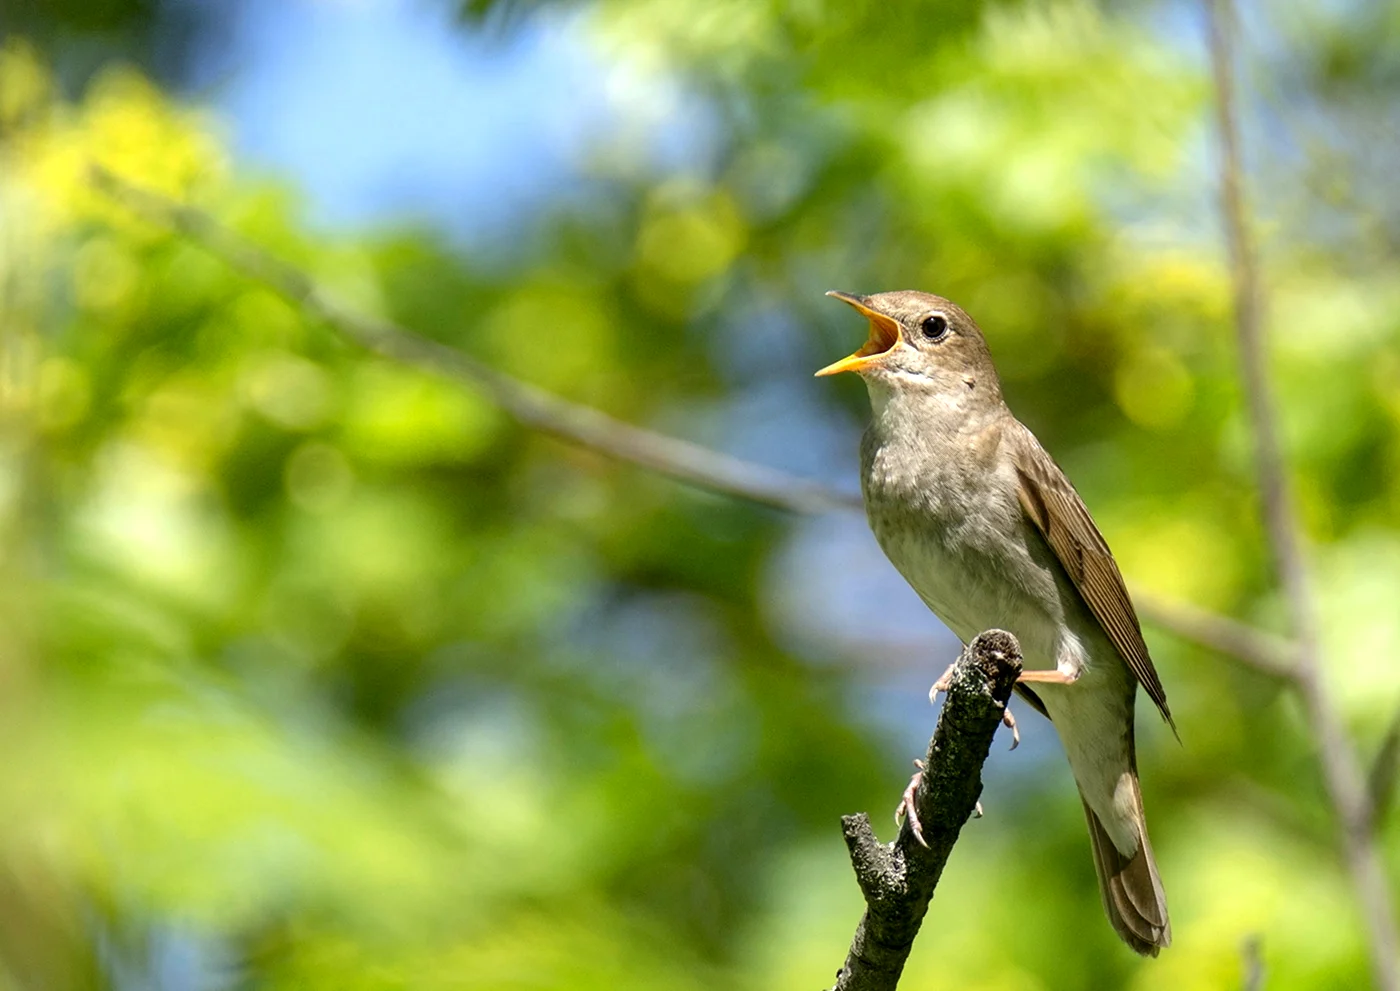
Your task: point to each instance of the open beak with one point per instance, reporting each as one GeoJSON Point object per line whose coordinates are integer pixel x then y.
{"type": "Point", "coordinates": [884, 334]}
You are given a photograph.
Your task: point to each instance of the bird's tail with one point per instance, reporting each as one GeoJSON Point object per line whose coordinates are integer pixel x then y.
{"type": "Point", "coordinates": [1130, 886]}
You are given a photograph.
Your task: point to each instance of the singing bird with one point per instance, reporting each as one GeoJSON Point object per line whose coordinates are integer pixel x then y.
{"type": "Point", "coordinates": [986, 528]}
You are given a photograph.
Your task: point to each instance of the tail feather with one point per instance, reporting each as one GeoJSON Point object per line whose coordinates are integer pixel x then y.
{"type": "Point", "coordinates": [1130, 886]}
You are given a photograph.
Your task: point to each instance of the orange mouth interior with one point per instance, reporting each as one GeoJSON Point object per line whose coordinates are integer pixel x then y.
{"type": "Point", "coordinates": [884, 334]}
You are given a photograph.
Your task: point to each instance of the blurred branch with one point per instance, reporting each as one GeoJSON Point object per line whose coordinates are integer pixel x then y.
{"type": "Point", "coordinates": [1340, 767]}
{"type": "Point", "coordinates": [1380, 783]}
{"type": "Point", "coordinates": [1253, 647]}
{"type": "Point", "coordinates": [1252, 950]}
{"type": "Point", "coordinates": [532, 407]}
{"type": "Point", "coordinates": [590, 428]}
{"type": "Point", "coordinates": [898, 879]}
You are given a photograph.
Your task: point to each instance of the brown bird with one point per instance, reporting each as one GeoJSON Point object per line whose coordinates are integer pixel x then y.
{"type": "Point", "coordinates": [986, 528]}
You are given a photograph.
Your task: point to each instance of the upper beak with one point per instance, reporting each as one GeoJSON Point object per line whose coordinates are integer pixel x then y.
{"type": "Point", "coordinates": [884, 334]}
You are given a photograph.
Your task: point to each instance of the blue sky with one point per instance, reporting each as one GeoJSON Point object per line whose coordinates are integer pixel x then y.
{"type": "Point", "coordinates": [382, 110]}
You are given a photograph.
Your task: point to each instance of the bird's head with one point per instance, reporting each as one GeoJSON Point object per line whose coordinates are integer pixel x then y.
{"type": "Point", "coordinates": [918, 340]}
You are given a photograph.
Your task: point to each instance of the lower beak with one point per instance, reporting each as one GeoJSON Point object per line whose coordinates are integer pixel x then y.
{"type": "Point", "coordinates": [884, 334]}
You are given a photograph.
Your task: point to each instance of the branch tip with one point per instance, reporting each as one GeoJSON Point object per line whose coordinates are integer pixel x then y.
{"type": "Point", "coordinates": [898, 880]}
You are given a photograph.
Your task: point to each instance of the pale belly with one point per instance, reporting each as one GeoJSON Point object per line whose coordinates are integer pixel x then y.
{"type": "Point", "coordinates": [974, 581]}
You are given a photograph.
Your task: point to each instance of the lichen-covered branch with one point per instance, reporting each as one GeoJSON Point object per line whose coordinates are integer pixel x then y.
{"type": "Point", "coordinates": [898, 879]}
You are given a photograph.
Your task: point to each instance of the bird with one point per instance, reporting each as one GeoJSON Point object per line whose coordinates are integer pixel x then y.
{"type": "Point", "coordinates": [984, 525]}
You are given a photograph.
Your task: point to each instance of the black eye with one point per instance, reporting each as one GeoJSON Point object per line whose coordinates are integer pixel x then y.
{"type": "Point", "coordinates": [934, 327]}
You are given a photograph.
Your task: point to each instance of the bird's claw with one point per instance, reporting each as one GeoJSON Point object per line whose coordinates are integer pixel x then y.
{"type": "Point", "coordinates": [906, 806]}
{"type": "Point", "coordinates": [1009, 721]}
{"type": "Point", "coordinates": [943, 683]}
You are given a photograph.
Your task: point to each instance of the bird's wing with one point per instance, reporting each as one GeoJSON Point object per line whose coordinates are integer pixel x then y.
{"type": "Point", "coordinates": [1057, 511]}
{"type": "Point", "coordinates": [1032, 699]}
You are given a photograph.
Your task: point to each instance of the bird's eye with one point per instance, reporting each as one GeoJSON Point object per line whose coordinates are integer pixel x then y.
{"type": "Point", "coordinates": [934, 327]}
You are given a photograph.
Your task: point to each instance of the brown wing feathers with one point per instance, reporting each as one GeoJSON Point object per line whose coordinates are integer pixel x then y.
{"type": "Point", "coordinates": [1052, 503]}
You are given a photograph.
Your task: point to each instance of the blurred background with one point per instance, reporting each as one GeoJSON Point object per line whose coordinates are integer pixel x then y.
{"type": "Point", "coordinates": [319, 671]}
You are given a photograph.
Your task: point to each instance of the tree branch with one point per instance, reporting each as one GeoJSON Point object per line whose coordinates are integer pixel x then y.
{"type": "Point", "coordinates": [1380, 783]}
{"type": "Point", "coordinates": [898, 879]}
{"type": "Point", "coordinates": [1252, 954]}
{"type": "Point", "coordinates": [532, 407]}
{"type": "Point", "coordinates": [1264, 652]}
{"type": "Point", "coordinates": [1341, 770]}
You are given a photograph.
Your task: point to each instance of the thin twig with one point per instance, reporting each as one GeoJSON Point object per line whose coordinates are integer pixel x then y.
{"type": "Point", "coordinates": [1340, 768]}
{"type": "Point", "coordinates": [531, 406]}
{"type": "Point", "coordinates": [1380, 783]}
{"type": "Point", "coordinates": [594, 430]}
{"type": "Point", "coordinates": [898, 879]}
{"type": "Point", "coordinates": [1252, 952]}
{"type": "Point", "coordinates": [1264, 652]}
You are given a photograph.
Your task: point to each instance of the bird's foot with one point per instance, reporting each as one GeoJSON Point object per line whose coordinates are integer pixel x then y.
{"type": "Point", "coordinates": [944, 682]}
{"type": "Point", "coordinates": [906, 806]}
{"type": "Point", "coordinates": [1009, 721]}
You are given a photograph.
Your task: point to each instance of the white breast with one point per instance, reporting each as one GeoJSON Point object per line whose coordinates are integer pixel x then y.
{"type": "Point", "coordinates": [950, 521]}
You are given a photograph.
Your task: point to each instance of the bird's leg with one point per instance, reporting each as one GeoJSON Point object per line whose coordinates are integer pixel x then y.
{"type": "Point", "coordinates": [906, 806]}
{"type": "Point", "coordinates": [1054, 676]}
{"type": "Point", "coordinates": [944, 682]}
{"type": "Point", "coordinates": [1009, 721]}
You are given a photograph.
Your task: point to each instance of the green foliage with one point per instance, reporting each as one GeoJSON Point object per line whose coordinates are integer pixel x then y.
{"type": "Point", "coordinates": [324, 666]}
